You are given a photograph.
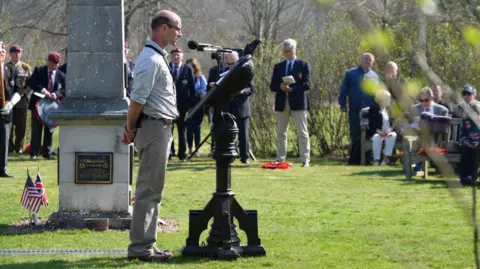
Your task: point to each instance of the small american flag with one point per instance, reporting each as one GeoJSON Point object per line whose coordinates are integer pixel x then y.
{"type": "Point", "coordinates": [39, 185]}
{"type": "Point", "coordinates": [32, 196]}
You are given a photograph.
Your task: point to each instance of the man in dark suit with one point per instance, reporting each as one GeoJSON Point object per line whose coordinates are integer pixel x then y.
{"type": "Point", "coordinates": [184, 79]}
{"type": "Point", "coordinates": [292, 98]}
{"type": "Point", "coordinates": [240, 108]}
{"type": "Point", "coordinates": [12, 96]}
{"type": "Point", "coordinates": [50, 81]}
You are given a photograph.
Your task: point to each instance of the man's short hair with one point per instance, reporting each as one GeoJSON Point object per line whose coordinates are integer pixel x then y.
{"type": "Point", "coordinates": [392, 65]}
{"type": "Point", "coordinates": [158, 20]}
{"type": "Point", "coordinates": [370, 55]}
{"type": "Point", "coordinates": [425, 92]}
{"type": "Point", "coordinates": [289, 44]}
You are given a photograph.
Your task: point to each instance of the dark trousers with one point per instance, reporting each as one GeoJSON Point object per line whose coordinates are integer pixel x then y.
{"type": "Point", "coordinates": [37, 129]}
{"type": "Point", "coordinates": [182, 136]}
{"type": "Point", "coordinates": [5, 128]}
{"type": "Point", "coordinates": [193, 131]}
{"type": "Point", "coordinates": [243, 140]}
{"type": "Point", "coordinates": [172, 147]}
{"type": "Point", "coordinates": [355, 136]}
{"type": "Point", "coordinates": [469, 159]}
{"type": "Point", "coordinates": [17, 133]}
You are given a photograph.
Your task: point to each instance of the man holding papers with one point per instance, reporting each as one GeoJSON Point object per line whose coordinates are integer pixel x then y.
{"type": "Point", "coordinates": [290, 82]}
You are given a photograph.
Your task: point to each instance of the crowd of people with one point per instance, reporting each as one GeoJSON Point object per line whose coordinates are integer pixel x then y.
{"type": "Point", "coordinates": [162, 92]}
{"type": "Point", "coordinates": [22, 89]}
{"type": "Point", "coordinates": [384, 127]}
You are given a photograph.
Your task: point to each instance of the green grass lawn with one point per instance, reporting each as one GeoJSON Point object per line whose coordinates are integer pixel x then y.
{"type": "Point", "coordinates": [325, 216]}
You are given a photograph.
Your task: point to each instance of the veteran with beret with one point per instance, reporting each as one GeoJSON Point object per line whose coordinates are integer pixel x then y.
{"type": "Point", "coordinates": [17, 74]}
{"type": "Point", "coordinates": [10, 97]}
{"type": "Point", "coordinates": [49, 81]}
{"type": "Point", "coordinates": [184, 79]}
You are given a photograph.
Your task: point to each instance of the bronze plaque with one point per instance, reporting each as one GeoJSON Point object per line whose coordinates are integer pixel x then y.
{"type": "Point", "coordinates": [93, 167]}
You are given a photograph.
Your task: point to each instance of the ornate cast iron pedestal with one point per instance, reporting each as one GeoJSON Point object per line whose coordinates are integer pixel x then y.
{"type": "Point", "coordinates": [223, 242]}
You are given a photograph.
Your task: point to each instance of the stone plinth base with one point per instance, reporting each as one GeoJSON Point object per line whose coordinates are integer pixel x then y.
{"type": "Point", "coordinates": [77, 219]}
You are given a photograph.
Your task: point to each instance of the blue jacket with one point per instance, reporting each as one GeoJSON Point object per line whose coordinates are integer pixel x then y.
{"type": "Point", "coordinates": [352, 88]}
{"type": "Point", "coordinates": [298, 98]}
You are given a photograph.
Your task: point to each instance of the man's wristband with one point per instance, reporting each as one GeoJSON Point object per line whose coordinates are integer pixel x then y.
{"type": "Point", "coordinates": [128, 131]}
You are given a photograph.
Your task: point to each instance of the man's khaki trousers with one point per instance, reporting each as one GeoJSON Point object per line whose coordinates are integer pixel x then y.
{"type": "Point", "coordinates": [153, 141]}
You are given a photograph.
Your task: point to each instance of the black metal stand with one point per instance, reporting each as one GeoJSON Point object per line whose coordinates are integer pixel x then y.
{"type": "Point", "coordinates": [223, 242]}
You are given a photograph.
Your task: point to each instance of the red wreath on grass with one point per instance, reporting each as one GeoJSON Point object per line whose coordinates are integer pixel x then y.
{"type": "Point", "coordinates": [425, 150]}
{"type": "Point", "coordinates": [276, 165]}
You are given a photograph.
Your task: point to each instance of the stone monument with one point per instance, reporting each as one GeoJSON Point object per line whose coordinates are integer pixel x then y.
{"type": "Point", "coordinates": [95, 168]}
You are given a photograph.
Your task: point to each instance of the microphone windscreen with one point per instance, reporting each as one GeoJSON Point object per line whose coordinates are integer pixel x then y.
{"type": "Point", "coordinates": [193, 45]}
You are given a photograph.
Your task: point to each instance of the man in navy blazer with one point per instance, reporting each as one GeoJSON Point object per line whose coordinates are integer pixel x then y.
{"type": "Point", "coordinates": [184, 79]}
{"type": "Point", "coordinates": [292, 98]}
{"type": "Point", "coordinates": [240, 108]}
{"type": "Point", "coordinates": [50, 81]}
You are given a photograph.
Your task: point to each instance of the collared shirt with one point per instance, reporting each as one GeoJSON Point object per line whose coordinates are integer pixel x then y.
{"type": "Point", "coordinates": [430, 110]}
{"type": "Point", "coordinates": [153, 85]}
{"type": "Point", "coordinates": [290, 65]}
{"type": "Point", "coordinates": [53, 76]}
{"type": "Point", "coordinates": [178, 70]}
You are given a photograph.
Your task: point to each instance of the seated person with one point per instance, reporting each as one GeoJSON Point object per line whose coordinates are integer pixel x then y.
{"type": "Point", "coordinates": [469, 136]}
{"type": "Point", "coordinates": [438, 98]}
{"type": "Point", "coordinates": [380, 127]}
{"type": "Point", "coordinates": [426, 105]}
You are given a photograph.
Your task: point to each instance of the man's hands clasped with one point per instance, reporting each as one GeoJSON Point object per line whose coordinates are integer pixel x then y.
{"type": "Point", "coordinates": [128, 135]}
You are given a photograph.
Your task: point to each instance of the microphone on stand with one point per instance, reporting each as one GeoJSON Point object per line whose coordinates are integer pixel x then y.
{"type": "Point", "coordinates": [194, 45]}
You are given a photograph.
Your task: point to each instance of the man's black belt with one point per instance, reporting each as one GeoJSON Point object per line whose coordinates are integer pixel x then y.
{"type": "Point", "coordinates": [166, 121]}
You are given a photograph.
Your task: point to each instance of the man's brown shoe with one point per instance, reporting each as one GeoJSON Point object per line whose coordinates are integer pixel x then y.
{"type": "Point", "coordinates": [155, 257]}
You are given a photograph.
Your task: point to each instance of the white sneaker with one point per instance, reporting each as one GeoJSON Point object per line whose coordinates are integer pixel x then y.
{"type": "Point", "coordinates": [375, 163]}
{"type": "Point", "coordinates": [306, 164]}
{"type": "Point", "coordinates": [383, 163]}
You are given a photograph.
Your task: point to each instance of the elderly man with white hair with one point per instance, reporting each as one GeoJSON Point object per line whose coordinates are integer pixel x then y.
{"type": "Point", "coordinates": [291, 96]}
{"type": "Point", "coordinates": [353, 99]}
{"type": "Point", "coordinates": [380, 127]}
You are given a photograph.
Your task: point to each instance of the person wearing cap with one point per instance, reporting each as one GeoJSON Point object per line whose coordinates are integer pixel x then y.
{"type": "Point", "coordinates": [469, 135]}
{"type": "Point", "coordinates": [184, 79]}
{"type": "Point", "coordinates": [49, 81]}
{"type": "Point", "coordinates": [12, 97]}
{"type": "Point", "coordinates": [128, 70]}
{"type": "Point", "coordinates": [16, 77]}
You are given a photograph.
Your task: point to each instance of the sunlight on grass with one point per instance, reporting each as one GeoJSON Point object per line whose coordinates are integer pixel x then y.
{"type": "Point", "coordinates": [326, 216]}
